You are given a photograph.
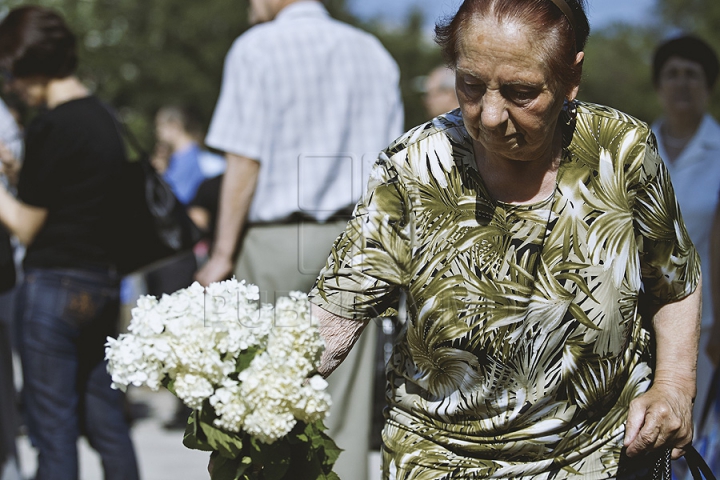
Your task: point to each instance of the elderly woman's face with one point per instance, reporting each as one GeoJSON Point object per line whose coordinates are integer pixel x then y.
{"type": "Point", "coordinates": [682, 87]}
{"type": "Point", "coordinates": [508, 102]}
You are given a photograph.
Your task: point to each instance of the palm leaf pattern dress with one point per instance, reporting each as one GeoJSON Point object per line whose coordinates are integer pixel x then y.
{"type": "Point", "coordinates": [524, 345]}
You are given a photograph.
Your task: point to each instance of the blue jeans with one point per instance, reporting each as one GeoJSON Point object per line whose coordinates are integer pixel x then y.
{"type": "Point", "coordinates": [64, 317]}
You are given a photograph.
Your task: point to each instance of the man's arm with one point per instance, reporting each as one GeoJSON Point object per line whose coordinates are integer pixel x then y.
{"type": "Point", "coordinates": [236, 193]}
{"type": "Point", "coordinates": [662, 417]}
{"type": "Point", "coordinates": [22, 220]}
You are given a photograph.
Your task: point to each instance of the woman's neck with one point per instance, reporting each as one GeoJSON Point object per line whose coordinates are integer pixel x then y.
{"type": "Point", "coordinates": [677, 131]}
{"type": "Point", "coordinates": [520, 182]}
{"type": "Point", "coordinates": [682, 126]}
{"type": "Point", "coordinates": [63, 90]}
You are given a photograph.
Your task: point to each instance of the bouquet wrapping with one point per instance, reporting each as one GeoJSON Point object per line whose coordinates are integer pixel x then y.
{"type": "Point", "coordinates": [244, 367]}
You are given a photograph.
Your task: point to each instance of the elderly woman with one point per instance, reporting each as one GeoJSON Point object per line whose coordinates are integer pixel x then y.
{"type": "Point", "coordinates": [524, 228]}
{"type": "Point", "coordinates": [685, 70]}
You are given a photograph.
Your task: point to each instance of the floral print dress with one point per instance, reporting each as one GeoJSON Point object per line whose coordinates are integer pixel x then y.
{"type": "Point", "coordinates": [524, 344]}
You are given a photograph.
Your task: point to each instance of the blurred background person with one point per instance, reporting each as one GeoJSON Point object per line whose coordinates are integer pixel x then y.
{"type": "Point", "coordinates": [184, 165]}
{"type": "Point", "coordinates": [440, 94]}
{"type": "Point", "coordinates": [203, 209]}
{"type": "Point", "coordinates": [67, 304]}
{"type": "Point", "coordinates": [306, 104]}
{"type": "Point", "coordinates": [187, 164]}
{"type": "Point", "coordinates": [11, 138]}
{"type": "Point", "coordinates": [684, 71]}
{"type": "Point", "coordinates": [10, 152]}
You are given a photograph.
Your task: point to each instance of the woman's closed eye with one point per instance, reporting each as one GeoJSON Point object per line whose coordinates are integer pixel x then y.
{"type": "Point", "coordinates": [473, 86]}
{"type": "Point", "coordinates": [520, 95]}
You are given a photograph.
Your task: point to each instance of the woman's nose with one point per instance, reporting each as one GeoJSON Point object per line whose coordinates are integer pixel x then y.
{"type": "Point", "coordinates": [494, 111]}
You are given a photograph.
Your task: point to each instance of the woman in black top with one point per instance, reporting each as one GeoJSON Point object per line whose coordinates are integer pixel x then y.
{"type": "Point", "coordinates": [68, 302]}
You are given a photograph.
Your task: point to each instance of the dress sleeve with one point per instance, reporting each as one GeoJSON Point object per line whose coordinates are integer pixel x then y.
{"type": "Point", "coordinates": [670, 265]}
{"type": "Point", "coordinates": [369, 263]}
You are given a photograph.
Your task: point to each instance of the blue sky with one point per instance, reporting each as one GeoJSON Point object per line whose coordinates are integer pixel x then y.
{"type": "Point", "coordinates": [601, 12]}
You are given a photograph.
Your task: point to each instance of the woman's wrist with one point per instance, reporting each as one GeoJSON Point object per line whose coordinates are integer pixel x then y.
{"type": "Point", "coordinates": [685, 383]}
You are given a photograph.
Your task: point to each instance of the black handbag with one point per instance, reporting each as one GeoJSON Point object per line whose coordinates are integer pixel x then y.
{"type": "Point", "coordinates": [148, 223]}
{"type": "Point", "coordinates": [7, 262]}
{"type": "Point", "coordinates": [696, 464]}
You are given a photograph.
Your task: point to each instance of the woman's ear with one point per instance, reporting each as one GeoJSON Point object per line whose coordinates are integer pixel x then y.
{"type": "Point", "coordinates": [579, 58]}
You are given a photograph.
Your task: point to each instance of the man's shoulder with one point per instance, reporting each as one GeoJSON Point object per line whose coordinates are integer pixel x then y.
{"type": "Point", "coordinates": [272, 35]}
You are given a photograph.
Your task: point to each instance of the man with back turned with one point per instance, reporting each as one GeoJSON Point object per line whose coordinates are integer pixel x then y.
{"type": "Point", "coordinates": [306, 104]}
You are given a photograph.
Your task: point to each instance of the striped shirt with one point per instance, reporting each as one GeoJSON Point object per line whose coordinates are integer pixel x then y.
{"type": "Point", "coordinates": [313, 100]}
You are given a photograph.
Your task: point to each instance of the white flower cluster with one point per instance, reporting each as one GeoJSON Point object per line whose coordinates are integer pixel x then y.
{"type": "Point", "coordinates": [193, 338]}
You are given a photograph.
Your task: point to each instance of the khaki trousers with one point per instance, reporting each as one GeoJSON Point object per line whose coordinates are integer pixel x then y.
{"type": "Point", "coordinates": [280, 258]}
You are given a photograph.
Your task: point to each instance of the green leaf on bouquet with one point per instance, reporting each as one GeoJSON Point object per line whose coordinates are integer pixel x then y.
{"type": "Point", "coordinates": [194, 439]}
{"type": "Point", "coordinates": [312, 453]}
{"type": "Point", "coordinates": [306, 453]}
{"type": "Point", "coordinates": [275, 458]}
{"type": "Point", "coordinates": [169, 383]}
{"type": "Point", "coordinates": [229, 445]}
{"type": "Point", "coordinates": [244, 359]}
{"type": "Point", "coordinates": [201, 434]}
{"type": "Point", "coordinates": [229, 468]}
{"type": "Point", "coordinates": [322, 444]}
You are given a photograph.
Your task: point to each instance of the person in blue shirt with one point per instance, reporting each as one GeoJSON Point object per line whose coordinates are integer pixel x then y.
{"type": "Point", "coordinates": [185, 165]}
{"type": "Point", "coordinates": [188, 164]}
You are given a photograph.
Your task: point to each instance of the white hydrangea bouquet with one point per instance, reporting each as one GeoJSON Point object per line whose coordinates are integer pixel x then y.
{"type": "Point", "coordinates": [247, 371]}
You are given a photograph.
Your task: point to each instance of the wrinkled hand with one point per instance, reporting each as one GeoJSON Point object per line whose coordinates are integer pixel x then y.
{"type": "Point", "coordinates": [216, 269]}
{"type": "Point", "coordinates": [660, 418]}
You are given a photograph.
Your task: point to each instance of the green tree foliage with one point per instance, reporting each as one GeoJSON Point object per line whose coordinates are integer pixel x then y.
{"type": "Point", "coordinates": [617, 70]}
{"type": "Point", "coordinates": [411, 47]}
{"type": "Point", "coordinates": [139, 55]}
{"type": "Point", "coordinates": [416, 57]}
{"type": "Point", "coordinates": [619, 58]}
{"type": "Point", "coordinates": [701, 17]}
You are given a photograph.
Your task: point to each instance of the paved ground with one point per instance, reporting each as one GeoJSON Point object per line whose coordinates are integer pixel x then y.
{"type": "Point", "coordinates": [161, 453]}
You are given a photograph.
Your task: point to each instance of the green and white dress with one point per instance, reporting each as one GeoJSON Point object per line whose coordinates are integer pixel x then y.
{"type": "Point", "coordinates": [523, 345]}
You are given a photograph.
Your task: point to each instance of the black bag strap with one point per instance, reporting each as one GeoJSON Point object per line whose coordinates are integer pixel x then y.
{"type": "Point", "coordinates": [159, 192]}
{"type": "Point", "coordinates": [696, 464]}
{"type": "Point", "coordinates": [126, 134]}
{"type": "Point", "coordinates": [663, 468]}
